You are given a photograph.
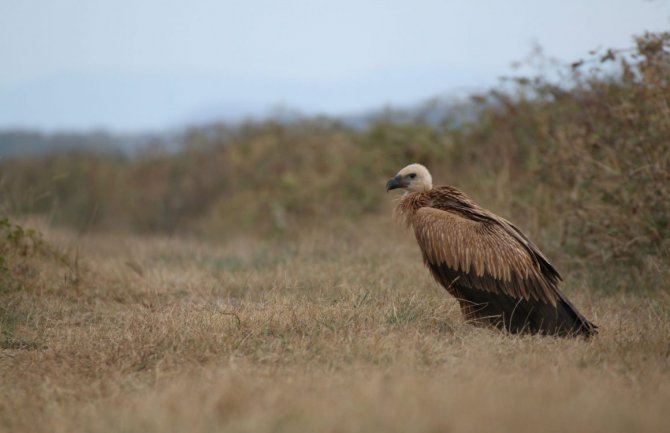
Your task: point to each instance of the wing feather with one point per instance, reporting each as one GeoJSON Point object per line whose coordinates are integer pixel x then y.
{"type": "Point", "coordinates": [487, 255]}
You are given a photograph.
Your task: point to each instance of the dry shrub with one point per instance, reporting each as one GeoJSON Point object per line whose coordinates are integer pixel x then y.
{"type": "Point", "coordinates": [24, 256]}
{"type": "Point", "coordinates": [17, 246]}
{"type": "Point", "coordinates": [592, 159]}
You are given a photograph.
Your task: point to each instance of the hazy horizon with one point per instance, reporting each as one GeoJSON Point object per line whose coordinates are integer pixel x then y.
{"type": "Point", "coordinates": [143, 66]}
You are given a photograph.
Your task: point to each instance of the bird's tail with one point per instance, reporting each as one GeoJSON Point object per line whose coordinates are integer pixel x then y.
{"type": "Point", "coordinates": [523, 316]}
{"type": "Point", "coordinates": [573, 322]}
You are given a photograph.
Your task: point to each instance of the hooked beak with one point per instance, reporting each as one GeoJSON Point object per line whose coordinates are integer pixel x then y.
{"type": "Point", "coordinates": [395, 182]}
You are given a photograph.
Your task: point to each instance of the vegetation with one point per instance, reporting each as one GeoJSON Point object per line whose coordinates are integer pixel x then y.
{"type": "Point", "coordinates": [253, 281]}
{"type": "Point", "coordinates": [17, 246]}
{"type": "Point", "coordinates": [589, 158]}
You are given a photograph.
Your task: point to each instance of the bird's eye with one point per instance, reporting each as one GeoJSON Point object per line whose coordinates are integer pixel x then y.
{"type": "Point", "coordinates": [412, 175]}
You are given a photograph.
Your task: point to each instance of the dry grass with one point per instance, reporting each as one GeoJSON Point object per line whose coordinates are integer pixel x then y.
{"type": "Point", "coordinates": [336, 331]}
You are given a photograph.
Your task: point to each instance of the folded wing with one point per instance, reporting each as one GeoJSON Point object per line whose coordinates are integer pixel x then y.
{"type": "Point", "coordinates": [485, 253]}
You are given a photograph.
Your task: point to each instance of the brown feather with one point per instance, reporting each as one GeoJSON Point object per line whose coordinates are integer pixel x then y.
{"type": "Point", "coordinates": [499, 276]}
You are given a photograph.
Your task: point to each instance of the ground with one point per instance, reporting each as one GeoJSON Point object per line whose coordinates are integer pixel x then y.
{"type": "Point", "coordinates": [339, 330]}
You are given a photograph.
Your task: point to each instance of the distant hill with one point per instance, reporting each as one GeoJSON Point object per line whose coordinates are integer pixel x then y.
{"type": "Point", "coordinates": [24, 143]}
{"type": "Point", "coordinates": [437, 112]}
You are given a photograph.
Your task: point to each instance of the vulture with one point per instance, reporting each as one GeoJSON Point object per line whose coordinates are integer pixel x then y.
{"type": "Point", "coordinates": [499, 277]}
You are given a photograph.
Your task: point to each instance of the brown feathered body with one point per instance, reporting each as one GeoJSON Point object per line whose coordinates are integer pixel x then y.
{"type": "Point", "coordinates": [499, 277]}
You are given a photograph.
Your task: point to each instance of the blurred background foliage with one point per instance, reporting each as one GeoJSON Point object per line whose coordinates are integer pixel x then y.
{"type": "Point", "coordinates": [581, 161]}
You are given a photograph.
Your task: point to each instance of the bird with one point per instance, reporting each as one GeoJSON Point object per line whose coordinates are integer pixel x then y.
{"type": "Point", "coordinates": [499, 277]}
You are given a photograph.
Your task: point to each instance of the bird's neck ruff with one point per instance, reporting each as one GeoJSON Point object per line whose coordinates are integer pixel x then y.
{"type": "Point", "coordinates": [442, 197]}
{"type": "Point", "coordinates": [407, 206]}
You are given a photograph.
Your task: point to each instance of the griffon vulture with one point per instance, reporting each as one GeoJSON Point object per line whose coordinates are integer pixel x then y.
{"type": "Point", "coordinates": [499, 277]}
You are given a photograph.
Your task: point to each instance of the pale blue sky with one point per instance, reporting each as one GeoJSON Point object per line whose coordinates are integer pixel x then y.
{"type": "Point", "coordinates": [136, 65]}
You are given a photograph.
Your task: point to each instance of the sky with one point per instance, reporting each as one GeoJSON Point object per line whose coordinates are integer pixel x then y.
{"type": "Point", "coordinates": [148, 65]}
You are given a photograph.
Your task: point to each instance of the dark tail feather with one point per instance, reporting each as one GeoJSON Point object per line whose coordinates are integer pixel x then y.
{"type": "Point", "coordinates": [579, 324]}
{"type": "Point", "coordinates": [519, 315]}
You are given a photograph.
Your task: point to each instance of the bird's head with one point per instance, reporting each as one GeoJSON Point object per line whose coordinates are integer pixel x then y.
{"type": "Point", "coordinates": [413, 178]}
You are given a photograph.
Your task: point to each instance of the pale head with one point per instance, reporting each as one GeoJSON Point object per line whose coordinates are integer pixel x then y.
{"type": "Point", "coordinates": [413, 178]}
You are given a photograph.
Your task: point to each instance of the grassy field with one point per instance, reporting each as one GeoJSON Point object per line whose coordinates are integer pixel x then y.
{"type": "Point", "coordinates": [338, 330]}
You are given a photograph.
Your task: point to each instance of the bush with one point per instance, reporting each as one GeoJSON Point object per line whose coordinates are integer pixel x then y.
{"type": "Point", "coordinates": [16, 244]}
{"type": "Point", "coordinates": [598, 151]}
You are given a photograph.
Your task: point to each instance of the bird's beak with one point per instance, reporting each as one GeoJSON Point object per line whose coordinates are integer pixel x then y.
{"type": "Point", "coordinates": [394, 182]}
